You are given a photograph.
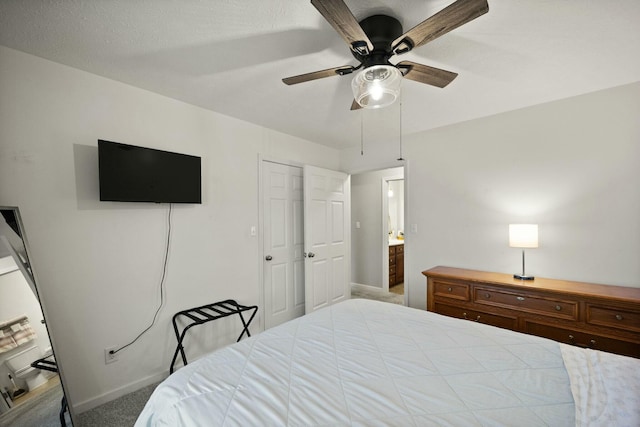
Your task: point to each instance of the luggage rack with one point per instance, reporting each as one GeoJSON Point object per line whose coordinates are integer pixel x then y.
{"type": "Point", "coordinates": [207, 313]}
{"type": "Point", "coordinates": [51, 366]}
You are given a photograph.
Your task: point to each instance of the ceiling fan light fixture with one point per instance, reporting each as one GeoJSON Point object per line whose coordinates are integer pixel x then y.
{"type": "Point", "coordinates": [377, 86]}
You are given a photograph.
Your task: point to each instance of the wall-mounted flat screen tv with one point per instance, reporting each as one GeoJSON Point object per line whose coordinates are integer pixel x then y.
{"type": "Point", "coordinates": [136, 174]}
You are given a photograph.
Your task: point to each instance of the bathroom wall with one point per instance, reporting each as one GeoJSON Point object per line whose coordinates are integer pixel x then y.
{"type": "Point", "coordinates": [17, 299]}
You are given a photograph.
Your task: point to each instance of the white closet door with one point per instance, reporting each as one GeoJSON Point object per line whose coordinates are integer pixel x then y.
{"type": "Point", "coordinates": [326, 237]}
{"type": "Point", "coordinates": [283, 243]}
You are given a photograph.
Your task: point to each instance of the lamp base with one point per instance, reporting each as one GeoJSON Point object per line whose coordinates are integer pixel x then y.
{"type": "Point", "coordinates": [521, 277]}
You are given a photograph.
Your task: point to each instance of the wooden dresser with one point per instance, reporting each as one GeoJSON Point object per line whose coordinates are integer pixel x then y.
{"type": "Point", "coordinates": [396, 264]}
{"type": "Point", "coordinates": [584, 314]}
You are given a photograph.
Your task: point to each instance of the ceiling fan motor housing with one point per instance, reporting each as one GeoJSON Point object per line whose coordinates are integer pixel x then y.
{"type": "Point", "coordinates": [382, 30]}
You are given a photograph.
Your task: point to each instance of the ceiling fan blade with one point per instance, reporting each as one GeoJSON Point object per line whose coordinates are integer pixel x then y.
{"type": "Point", "coordinates": [449, 18]}
{"type": "Point", "coordinates": [355, 105]}
{"type": "Point", "coordinates": [425, 74]}
{"type": "Point", "coordinates": [338, 71]}
{"type": "Point", "coordinates": [342, 20]}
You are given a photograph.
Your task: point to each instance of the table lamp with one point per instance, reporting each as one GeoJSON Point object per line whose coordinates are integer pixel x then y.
{"type": "Point", "coordinates": [523, 236]}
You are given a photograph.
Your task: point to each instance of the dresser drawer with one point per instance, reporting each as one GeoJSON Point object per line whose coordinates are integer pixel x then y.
{"type": "Point", "coordinates": [582, 339]}
{"type": "Point", "coordinates": [399, 249]}
{"type": "Point", "coordinates": [626, 319]}
{"type": "Point", "coordinates": [525, 302]}
{"type": "Point", "coordinates": [477, 316]}
{"type": "Point", "coordinates": [458, 291]}
{"type": "Point", "coordinates": [392, 270]}
{"type": "Point", "coordinates": [392, 250]}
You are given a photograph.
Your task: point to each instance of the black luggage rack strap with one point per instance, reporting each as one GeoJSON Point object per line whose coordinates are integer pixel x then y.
{"type": "Point", "coordinates": [207, 313]}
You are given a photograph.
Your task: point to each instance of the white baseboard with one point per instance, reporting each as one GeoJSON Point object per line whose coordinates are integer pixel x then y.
{"type": "Point", "coordinates": [368, 286]}
{"type": "Point", "coordinates": [119, 392]}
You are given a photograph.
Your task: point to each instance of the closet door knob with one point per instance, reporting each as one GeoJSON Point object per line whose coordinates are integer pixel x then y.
{"type": "Point", "coordinates": [268, 257]}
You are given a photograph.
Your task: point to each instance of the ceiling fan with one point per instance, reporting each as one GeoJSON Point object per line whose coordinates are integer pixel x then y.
{"type": "Point", "coordinates": [374, 40]}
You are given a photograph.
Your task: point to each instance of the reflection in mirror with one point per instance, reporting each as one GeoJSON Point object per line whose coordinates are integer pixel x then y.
{"type": "Point", "coordinates": [396, 210]}
{"type": "Point", "coordinates": [30, 386]}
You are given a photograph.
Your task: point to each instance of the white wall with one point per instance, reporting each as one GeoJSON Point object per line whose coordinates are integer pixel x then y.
{"type": "Point", "coordinates": [366, 241]}
{"type": "Point", "coordinates": [380, 147]}
{"type": "Point", "coordinates": [571, 166]}
{"type": "Point", "coordinates": [98, 265]}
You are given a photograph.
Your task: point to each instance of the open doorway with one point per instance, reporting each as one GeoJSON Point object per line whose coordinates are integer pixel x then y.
{"type": "Point", "coordinates": [377, 230]}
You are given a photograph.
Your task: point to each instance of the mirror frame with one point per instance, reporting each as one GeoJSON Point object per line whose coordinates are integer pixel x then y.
{"type": "Point", "coordinates": [30, 272]}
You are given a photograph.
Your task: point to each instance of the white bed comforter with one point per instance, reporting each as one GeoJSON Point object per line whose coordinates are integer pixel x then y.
{"type": "Point", "coordinates": [606, 387]}
{"type": "Point", "coordinates": [366, 363]}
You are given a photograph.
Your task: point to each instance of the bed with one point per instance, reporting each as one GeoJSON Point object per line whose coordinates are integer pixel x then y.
{"type": "Point", "coordinates": [369, 363]}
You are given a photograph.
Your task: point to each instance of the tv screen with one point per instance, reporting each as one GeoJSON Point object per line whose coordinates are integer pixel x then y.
{"type": "Point", "coordinates": [137, 174]}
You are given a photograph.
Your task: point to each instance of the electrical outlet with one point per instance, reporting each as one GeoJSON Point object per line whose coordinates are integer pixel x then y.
{"type": "Point", "coordinates": [110, 357]}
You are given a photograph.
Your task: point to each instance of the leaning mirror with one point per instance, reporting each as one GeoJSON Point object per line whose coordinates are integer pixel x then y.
{"type": "Point", "coordinates": [32, 393]}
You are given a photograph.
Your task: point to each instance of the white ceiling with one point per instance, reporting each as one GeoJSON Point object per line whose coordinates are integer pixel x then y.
{"type": "Point", "coordinates": [229, 55]}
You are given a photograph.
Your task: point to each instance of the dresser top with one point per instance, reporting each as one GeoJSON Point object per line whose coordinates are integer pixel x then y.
{"type": "Point", "coordinates": [539, 283]}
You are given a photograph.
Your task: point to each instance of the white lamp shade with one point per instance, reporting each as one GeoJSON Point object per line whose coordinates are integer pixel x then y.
{"type": "Point", "coordinates": [377, 86]}
{"type": "Point", "coordinates": [523, 235]}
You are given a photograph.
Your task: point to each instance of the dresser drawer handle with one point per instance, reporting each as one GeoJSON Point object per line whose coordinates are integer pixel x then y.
{"type": "Point", "coordinates": [487, 296]}
{"type": "Point", "coordinates": [477, 319]}
{"type": "Point", "coordinates": [520, 298]}
{"type": "Point", "coordinates": [619, 317]}
{"type": "Point", "coordinates": [558, 308]}
{"type": "Point", "coordinates": [592, 343]}
{"type": "Point", "coordinates": [570, 337]}
{"type": "Point", "coordinates": [449, 289]}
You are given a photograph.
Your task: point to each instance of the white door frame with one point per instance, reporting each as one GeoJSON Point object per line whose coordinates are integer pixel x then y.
{"type": "Point", "coordinates": [385, 230]}
{"type": "Point", "coordinates": [407, 235]}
